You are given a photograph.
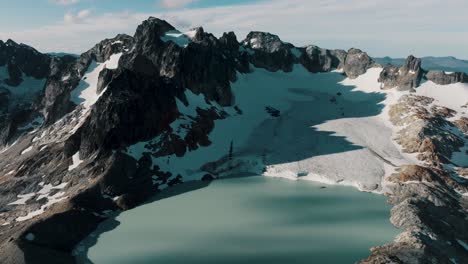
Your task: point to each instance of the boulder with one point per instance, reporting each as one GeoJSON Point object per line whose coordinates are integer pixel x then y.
{"type": "Point", "coordinates": [316, 59]}
{"type": "Point", "coordinates": [269, 52]}
{"type": "Point", "coordinates": [356, 63]}
{"type": "Point", "coordinates": [443, 78]}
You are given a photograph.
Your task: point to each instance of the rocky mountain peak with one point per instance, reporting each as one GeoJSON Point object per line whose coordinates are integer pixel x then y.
{"type": "Point", "coordinates": [444, 78]}
{"type": "Point", "coordinates": [406, 77]}
{"type": "Point", "coordinates": [412, 64]}
{"type": "Point", "coordinates": [104, 49]}
{"type": "Point", "coordinates": [317, 59]}
{"type": "Point", "coordinates": [152, 29]}
{"type": "Point", "coordinates": [269, 51]}
{"type": "Point", "coordinates": [357, 62]}
{"type": "Point", "coordinates": [196, 34]}
{"type": "Point", "coordinates": [25, 59]}
{"type": "Point", "coordinates": [265, 41]}
{"type": "Point", "coordinates": [229, 40]}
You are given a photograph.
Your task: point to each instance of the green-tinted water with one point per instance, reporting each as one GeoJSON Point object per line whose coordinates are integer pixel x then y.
{"type": "Point", "coordinates": [250, 220]}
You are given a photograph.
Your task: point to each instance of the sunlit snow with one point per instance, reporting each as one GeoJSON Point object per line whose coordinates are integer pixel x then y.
{"type": "Point", "coordinates": [86, 92]}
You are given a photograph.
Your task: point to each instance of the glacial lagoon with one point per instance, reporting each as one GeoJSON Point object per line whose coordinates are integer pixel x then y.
{"type": "Point", "coordinates": [248, 220]}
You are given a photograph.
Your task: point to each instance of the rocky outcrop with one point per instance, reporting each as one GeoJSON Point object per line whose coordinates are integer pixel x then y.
{"type": "Point", "coordinates": [66, 72]}
{"type": "Point", "coordinates": [269, 52]}
{"type": "Point", "coordinates": [425, 129]}
{"type": "Point", "coordinates": [316, 59]}
{"type": "Point", "coordinates": [433, 218]}
{"type": "Point", "coordinates": [356, 63]}
{"type": "Point", "coordinates": [443, 78]}
{"type": "Point", "coordinates": [429, 205]}
{"type": "Point", "coordinates": [133, 108]}
{"type": "Point", "coordinates": [405, 78]}
{"type": "Point", "coordinates": [19, 103]}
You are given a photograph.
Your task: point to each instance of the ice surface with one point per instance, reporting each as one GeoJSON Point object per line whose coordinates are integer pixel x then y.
{"type": "Point", "coordinates": [330, 128]}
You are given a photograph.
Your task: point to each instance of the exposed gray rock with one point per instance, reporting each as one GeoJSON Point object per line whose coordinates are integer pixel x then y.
{"type": "Point", "coordinates": [433, 220]}
{"type": "Point", "coordinates": [406, 77]}
{"type": "Point", "coordinates": [316, 59]}
{"type": "Point", "coordinates": [4, 99]}
{"type": "Point", "coordinates": [356, 63]}
{"type": "Point", "coordinates": [339, 58]}
{"type": "Point", "coordinates": [442, 78]}
{"type": "Point", "coordinates": [269, 51]}
{"type": "Point", "coordinates": [133, 108]}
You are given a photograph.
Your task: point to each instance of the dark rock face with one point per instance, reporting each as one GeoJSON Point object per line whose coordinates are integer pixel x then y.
{"type": "Point", "coordinates": [23, 58]}
{"type": "Point", "coordinates": [104, 49]}
{"type": "Point", "coordinates": [270, 52]}
{"type": "Point", "coordinates": [17, 103]}
{"type": "Point", "coordinates": [14, 73]}
{"type": "Point", "coordinates": [67, 71]}
{"type": "Point", "coordinates": [316, 59]}
{"type": "Point", "coordinates": [442, 78]}
{"type": "Point", "coordinates": [204, 68]}
{"type": "Point", "coordinates": [406, 77]}
{"type": "Point", "coordinates": [356, 63]}
{"type": "Point", "coordinates": [105, 77]}
{"type": "Point", "coordinates": [62, 79]}
{"type": "Point", "coordinates": [4, 98]}
{"type": "Point", "coordinates": [134, 107]}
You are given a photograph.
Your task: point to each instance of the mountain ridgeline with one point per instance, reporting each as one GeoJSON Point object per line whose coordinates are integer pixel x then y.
{"type": "Point", "coordinates": [66, 122]}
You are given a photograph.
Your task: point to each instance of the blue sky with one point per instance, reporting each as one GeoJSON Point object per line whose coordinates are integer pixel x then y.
{"type": "Point", "coordinates": [395, 28]}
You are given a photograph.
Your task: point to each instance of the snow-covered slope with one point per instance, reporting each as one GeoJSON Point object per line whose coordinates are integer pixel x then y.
{"type": "Point", "coordinates": [330, 129]}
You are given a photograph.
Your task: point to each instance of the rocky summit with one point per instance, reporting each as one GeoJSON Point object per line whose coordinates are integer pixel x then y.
{"type": "Point", "coordinates": [84, 137]}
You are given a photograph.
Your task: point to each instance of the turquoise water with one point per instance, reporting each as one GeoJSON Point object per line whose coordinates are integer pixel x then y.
{"type": "Point", "coordinates": [250, 220]}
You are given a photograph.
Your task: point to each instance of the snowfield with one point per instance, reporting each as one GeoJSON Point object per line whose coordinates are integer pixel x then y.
{"type": "Point", "coordinates": [330, 129]}
{"type": "Point", "coordinates": [86, 92]}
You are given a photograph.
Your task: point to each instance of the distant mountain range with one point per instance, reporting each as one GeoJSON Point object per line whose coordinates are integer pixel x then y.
{"type": "Point", "coordinates": [450, 64]}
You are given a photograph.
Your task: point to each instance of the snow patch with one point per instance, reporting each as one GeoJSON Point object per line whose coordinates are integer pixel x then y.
{"type": "Point", "coordinates": [23, 198]}
{"type": "Point", "coordinates": [76, 161]}
{"type": "Point", "coordinates": [51, 200]}
{"type": "Point", "coordinates": [66, 77]}
{"type": "Point", "coordinates": [86, 92]}
{"type": "Point", "coordinates": [29, 86]}
{"type": "Point", "coordinates": [453, 96]}
{"type": "Point", "coordinates": [26, 150]}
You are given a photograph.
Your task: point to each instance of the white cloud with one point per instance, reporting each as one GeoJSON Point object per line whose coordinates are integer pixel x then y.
{"type": "Point", "coordinates": [70, 18]}
{"type": "Point", "coordinates": [394, 28]}
{"type": "Point", "coordinates": [175, 3]}
{"type": "Point", "coordinates": [65, 2]}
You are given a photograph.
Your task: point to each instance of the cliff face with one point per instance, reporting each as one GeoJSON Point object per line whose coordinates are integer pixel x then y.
{"type": "Point", "coordinates": [68, 123]}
